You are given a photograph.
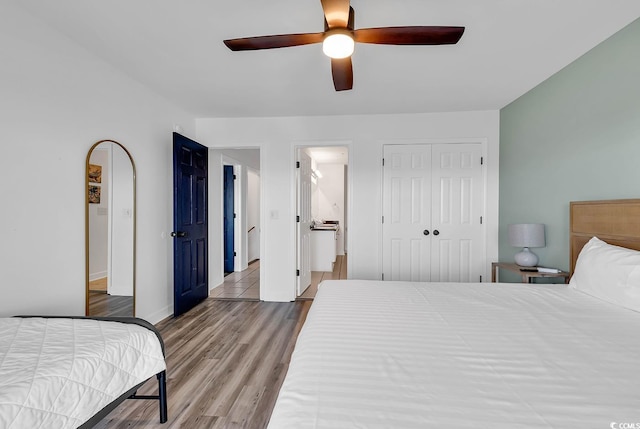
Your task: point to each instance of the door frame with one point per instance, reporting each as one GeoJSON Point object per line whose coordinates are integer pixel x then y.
{"type": "Point", "coordinates": [305, 144]}
{"type": "Point", "coordinates": [485, 181]}
{"type": "Point", "coordinates": [217, 159]}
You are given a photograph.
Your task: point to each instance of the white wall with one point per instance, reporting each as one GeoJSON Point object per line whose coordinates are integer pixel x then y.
{"type": "Point", "coordinates": [121, 211]}
{"type": "Point", "coordinates": [216, 216]}
{"type": "Point", "coordinates": [315, 196]}
{"type": "Point", "coordinates": [364, 136]}
{"type": "Point", "coordinates": [253, 214]}
{"type": "Point", "coordinates": [330, 198]}
{"type": "Point", "coordinates": [57, 100]}
{"type": "Point", "coordinates": [241, 260]}
{"type": "Point", "coordinates": [246, 157]}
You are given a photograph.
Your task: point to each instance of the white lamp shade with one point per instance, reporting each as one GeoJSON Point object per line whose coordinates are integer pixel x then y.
{"type": "Point", "coordinates": [526, 235]}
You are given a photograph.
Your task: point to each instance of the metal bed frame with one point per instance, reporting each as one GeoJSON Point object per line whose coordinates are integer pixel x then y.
{"type": "Point", "coordinates": [161, 397]}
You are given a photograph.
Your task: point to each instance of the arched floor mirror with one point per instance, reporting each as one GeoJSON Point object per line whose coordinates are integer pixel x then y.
{"type": "Point", "coordinates": [110, 230]}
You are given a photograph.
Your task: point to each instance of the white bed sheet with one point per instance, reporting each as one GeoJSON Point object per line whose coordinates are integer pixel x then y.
{"type": "Point", "coordinates": [57, 373]}
{"type": "Point", "coordinates": [445, 355]}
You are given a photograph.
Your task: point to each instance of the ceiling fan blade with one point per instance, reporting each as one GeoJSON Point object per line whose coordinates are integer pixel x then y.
{"type": "Point", "coordinates": [275, 41]}
{"type": "Point", "coordinates": [419, 35]}
{"type": "Point", "coordinates": [336, 12]}
{"type": "Point", "coordinates": [342, 72]}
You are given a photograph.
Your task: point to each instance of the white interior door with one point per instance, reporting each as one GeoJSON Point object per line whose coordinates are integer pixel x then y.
{"type": "Point", "coordinates": [303, 221]}
{"type": "Point", "coordinates": [433, 200]}
{"type": "Point", "coordinates": [457, 241]}
{"type": "Point", "coordinates": [407, 212]}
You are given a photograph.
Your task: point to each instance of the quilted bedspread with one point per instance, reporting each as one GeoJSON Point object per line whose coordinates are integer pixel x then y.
{"type": "Point", "coordinates": [57, 373]}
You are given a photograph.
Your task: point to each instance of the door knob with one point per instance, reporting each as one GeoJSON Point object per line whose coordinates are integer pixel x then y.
{"type": "Point", "coordinates": [425, 232]}
{"type": "Point", "coordinates": [179, 234]}
{"type": "Point", "coordinates": [436, 232]}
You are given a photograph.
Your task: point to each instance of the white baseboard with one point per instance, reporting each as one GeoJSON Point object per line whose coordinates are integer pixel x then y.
{"type": "Point", "coordinates": [158, 316]}
{"type": "Point", "coordinates": [218, 285]}
{"type": "Point", "coordinates": [97, 276]}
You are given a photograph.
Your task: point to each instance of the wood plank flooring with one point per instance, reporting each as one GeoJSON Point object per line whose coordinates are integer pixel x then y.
{"type": "Point", "coordinates": [102, 304]}
{"type": "Point", "coordinates": [339, 272]}
{"type": "Point", "coordinates": [226, 361]}
{"type": "Point", "coordinates": [245, 285]}
{"type": "Point", "coordinates": [98, 285]}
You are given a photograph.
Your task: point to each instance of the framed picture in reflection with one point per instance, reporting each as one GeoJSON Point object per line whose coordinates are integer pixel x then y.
{"type": "Point", "coordinates": [95, 173]}
{"type": "Point", "coordinates": [94, 194]}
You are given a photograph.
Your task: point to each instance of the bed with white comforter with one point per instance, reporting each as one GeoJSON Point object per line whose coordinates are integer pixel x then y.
{"type": "Point", "coordinates": [451, 355]}
{"type": "Point", "coordinates": [58, 373]}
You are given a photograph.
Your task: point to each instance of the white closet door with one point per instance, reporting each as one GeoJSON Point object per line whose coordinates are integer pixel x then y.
{"type": "Point", "coordinates": [407, 212]}
{"type": "Point", "coordinates": [458, 249]}
{"type": "Point", "coordinates": [433, 200]}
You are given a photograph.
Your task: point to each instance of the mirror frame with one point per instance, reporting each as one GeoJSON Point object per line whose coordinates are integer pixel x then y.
{"type": "Point", "coordinates": [86, 221]}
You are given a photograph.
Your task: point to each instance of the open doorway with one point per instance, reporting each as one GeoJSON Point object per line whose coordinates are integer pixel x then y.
{"type": "Point", "coordinates": [237, 213]}
{"type": "Point", "coordinates": [326, 236]}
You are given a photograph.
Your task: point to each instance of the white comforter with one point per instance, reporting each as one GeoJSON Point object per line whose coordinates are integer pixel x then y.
{"type": "Point", "coordinates": [57, 373]}
{"type": "Point", "coordinates": [408, 355]}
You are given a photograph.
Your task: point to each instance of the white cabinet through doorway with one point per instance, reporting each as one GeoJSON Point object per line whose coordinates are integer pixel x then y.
{"type": "Point", "coordinates": [433, 204]}
{"type": "Point", "coordinates": [323, 249]}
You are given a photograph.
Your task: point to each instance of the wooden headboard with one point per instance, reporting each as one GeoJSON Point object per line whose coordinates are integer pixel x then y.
{"type": "Point", "coordinates": [615, 221]}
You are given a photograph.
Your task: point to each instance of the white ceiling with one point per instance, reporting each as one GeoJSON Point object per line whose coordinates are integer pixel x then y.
{"type": "Point", "coordinates": [175, 48]}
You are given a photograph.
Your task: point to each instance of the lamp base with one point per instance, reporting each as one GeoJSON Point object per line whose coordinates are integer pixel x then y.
{"type": "Point", "coordinates": [526, 258]}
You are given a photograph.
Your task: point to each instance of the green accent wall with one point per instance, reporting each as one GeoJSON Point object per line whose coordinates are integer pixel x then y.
{"type": "Point", "coordinates": [574, 137]}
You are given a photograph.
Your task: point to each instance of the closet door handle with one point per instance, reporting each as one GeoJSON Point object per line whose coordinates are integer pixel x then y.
{"type": "Point", "coordinates": [436, 232]}
{"type": "Point", "coordinates": [179, 234]}
{"type": "Point", "coordinates": [425, 232]}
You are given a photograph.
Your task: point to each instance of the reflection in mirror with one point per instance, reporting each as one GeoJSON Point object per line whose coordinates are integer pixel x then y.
{"type": "Point", "coordinates": [110, 228]}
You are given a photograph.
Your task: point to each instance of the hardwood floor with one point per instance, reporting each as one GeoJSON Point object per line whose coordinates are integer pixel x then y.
{"type": "Point", "coordinates": [339, 272]}
{"type": "Point", "coordinates": [245, 285]}
{"type": "Point", "coordinates": [226, 361]}
{"type": "Point", "coordinates": [226, 358]}
{"type": "Point", "coordinates": [102, 304]}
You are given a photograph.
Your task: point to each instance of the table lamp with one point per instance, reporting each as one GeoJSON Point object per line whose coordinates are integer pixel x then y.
{"type": "Point", "coordinates": [526, 235]}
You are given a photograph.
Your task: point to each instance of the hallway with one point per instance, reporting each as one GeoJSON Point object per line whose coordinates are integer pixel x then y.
{"type": "Point", "coordinates": [245, 285]}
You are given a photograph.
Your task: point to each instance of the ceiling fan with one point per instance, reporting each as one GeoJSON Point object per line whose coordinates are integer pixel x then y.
{"type": "Point", "coordinates": [339, 38]}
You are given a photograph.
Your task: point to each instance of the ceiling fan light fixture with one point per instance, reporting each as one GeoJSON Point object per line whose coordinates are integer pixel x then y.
{"type": "Point", "coordinates": [338, 44]}
{"type": "Point", "coordinates": [339, 37]}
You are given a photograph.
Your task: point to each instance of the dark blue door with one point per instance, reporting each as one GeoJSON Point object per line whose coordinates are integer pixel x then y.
{"type": "Point", "coordinates": [229, 251]}
{"type": "Point", "coordinates": [190, 247]}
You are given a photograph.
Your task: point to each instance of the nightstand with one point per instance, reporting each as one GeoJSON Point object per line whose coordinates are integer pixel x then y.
{"type": "Point", "coordinates": [527, 276]}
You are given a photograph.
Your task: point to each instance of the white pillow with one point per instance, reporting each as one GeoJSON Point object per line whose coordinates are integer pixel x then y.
{"type": "Point", "coordinates": [608, 272]}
